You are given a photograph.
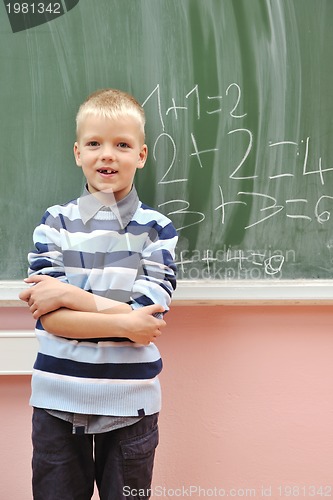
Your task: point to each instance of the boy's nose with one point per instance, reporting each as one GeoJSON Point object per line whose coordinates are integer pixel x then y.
{"type": "Point", "coordinates": [107, 154]}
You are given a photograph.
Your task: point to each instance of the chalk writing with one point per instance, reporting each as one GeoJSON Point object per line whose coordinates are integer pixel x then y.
{"type": "Point", "coordinates": [217, 265]}
{"type": "Point", "coordinates": [282, 158]}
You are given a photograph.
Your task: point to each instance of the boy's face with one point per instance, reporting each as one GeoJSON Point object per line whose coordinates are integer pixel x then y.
{"type": "Point", "coordinates": [109, 152]}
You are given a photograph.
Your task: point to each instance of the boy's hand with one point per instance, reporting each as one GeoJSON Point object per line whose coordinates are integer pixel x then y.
{"type": "Point", "coordinates": [141, 326]}
{"type": "Point", "coordinates": [45, 296]}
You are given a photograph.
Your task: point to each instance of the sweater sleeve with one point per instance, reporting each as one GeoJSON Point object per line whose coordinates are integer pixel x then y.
{"type": "Point", "coordinates": [47, 256]}
{"type": "Point", "coordinates": [156, 277]}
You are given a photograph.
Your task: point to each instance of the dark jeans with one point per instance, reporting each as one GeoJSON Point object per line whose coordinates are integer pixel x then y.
{"type": "Point", "coordinates": [65, 465]}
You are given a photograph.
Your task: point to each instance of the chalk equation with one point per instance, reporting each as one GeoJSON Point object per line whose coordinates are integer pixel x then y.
{"type": "Point", "coordinates": [225, 263]}
{"type": "Point", "coordinates": [269, 206]}
{"type": "Point", "coordinates": [259, 181]}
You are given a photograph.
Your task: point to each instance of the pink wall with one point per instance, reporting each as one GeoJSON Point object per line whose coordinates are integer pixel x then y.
{"type": "Point", "coordinates": [248, 403]}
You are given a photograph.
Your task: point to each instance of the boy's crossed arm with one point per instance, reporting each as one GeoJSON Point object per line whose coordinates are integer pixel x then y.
{"type": "Point", "coordinates": [69, 311]}
{"type": "Point", "coordinates": [49, 294]}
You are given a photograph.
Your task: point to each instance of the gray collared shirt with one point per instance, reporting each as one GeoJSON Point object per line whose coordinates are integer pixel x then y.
{"type": "Point", "coordinates": [93, 424]}
{"type": "Point", "coordinates": [123, 210]}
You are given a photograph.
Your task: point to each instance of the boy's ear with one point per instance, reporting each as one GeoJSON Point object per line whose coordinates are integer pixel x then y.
{"type": "Point", "coordinates": [77, 154]}
{"type": "Point", "coordinates": [143, 156]}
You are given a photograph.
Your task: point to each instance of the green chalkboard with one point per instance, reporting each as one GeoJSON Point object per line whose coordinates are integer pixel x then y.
{"type": "Point", "coordinates": [239, 102]}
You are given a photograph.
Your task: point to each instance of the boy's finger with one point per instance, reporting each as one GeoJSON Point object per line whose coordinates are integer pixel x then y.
{"type": "Point", "coordinates": [36, 279]}
{"type": "Point", "coordinates": [154, 308]}
{"type": "Point", "coordinates": [25, 295]}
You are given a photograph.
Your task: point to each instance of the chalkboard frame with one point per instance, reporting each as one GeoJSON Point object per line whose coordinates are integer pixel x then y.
{"type": "Point", "coordinates": [194, 293]}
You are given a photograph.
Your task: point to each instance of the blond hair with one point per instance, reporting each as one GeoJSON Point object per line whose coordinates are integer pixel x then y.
{"type": "Point", "coordinates": [113, 104]}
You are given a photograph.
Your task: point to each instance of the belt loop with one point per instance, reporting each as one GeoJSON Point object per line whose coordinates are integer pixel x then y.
{"type": "Point", "coordinates": [80, 424]}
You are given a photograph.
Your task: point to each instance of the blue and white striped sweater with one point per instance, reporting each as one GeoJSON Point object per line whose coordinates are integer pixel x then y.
{"type": "Point", "coordinates": [126, 254]}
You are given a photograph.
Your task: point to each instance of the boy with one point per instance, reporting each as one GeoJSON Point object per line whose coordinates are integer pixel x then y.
{"type": "Point", "coordinates": [103, 266]}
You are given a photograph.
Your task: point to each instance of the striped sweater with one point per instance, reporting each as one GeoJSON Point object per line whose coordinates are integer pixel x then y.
{"type": "Point", "coordinates": [124, 252]}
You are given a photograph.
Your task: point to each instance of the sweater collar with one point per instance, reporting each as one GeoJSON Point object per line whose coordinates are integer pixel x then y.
{"type": "Point", "coordinates": [123, 211]}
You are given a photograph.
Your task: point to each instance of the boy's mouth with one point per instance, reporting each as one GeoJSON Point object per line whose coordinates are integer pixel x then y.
{"type": "Point", "coordinates": [106, 171]}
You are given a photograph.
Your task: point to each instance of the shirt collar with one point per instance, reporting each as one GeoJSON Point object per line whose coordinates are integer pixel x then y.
{"type": "Point", "coordinates": [124, 210]}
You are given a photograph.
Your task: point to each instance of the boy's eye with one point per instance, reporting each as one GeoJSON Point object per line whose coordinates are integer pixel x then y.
{"type": "Point", "coordinates": [93, 144]}
{"type": "Point", "coordinates": [123, 145]}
